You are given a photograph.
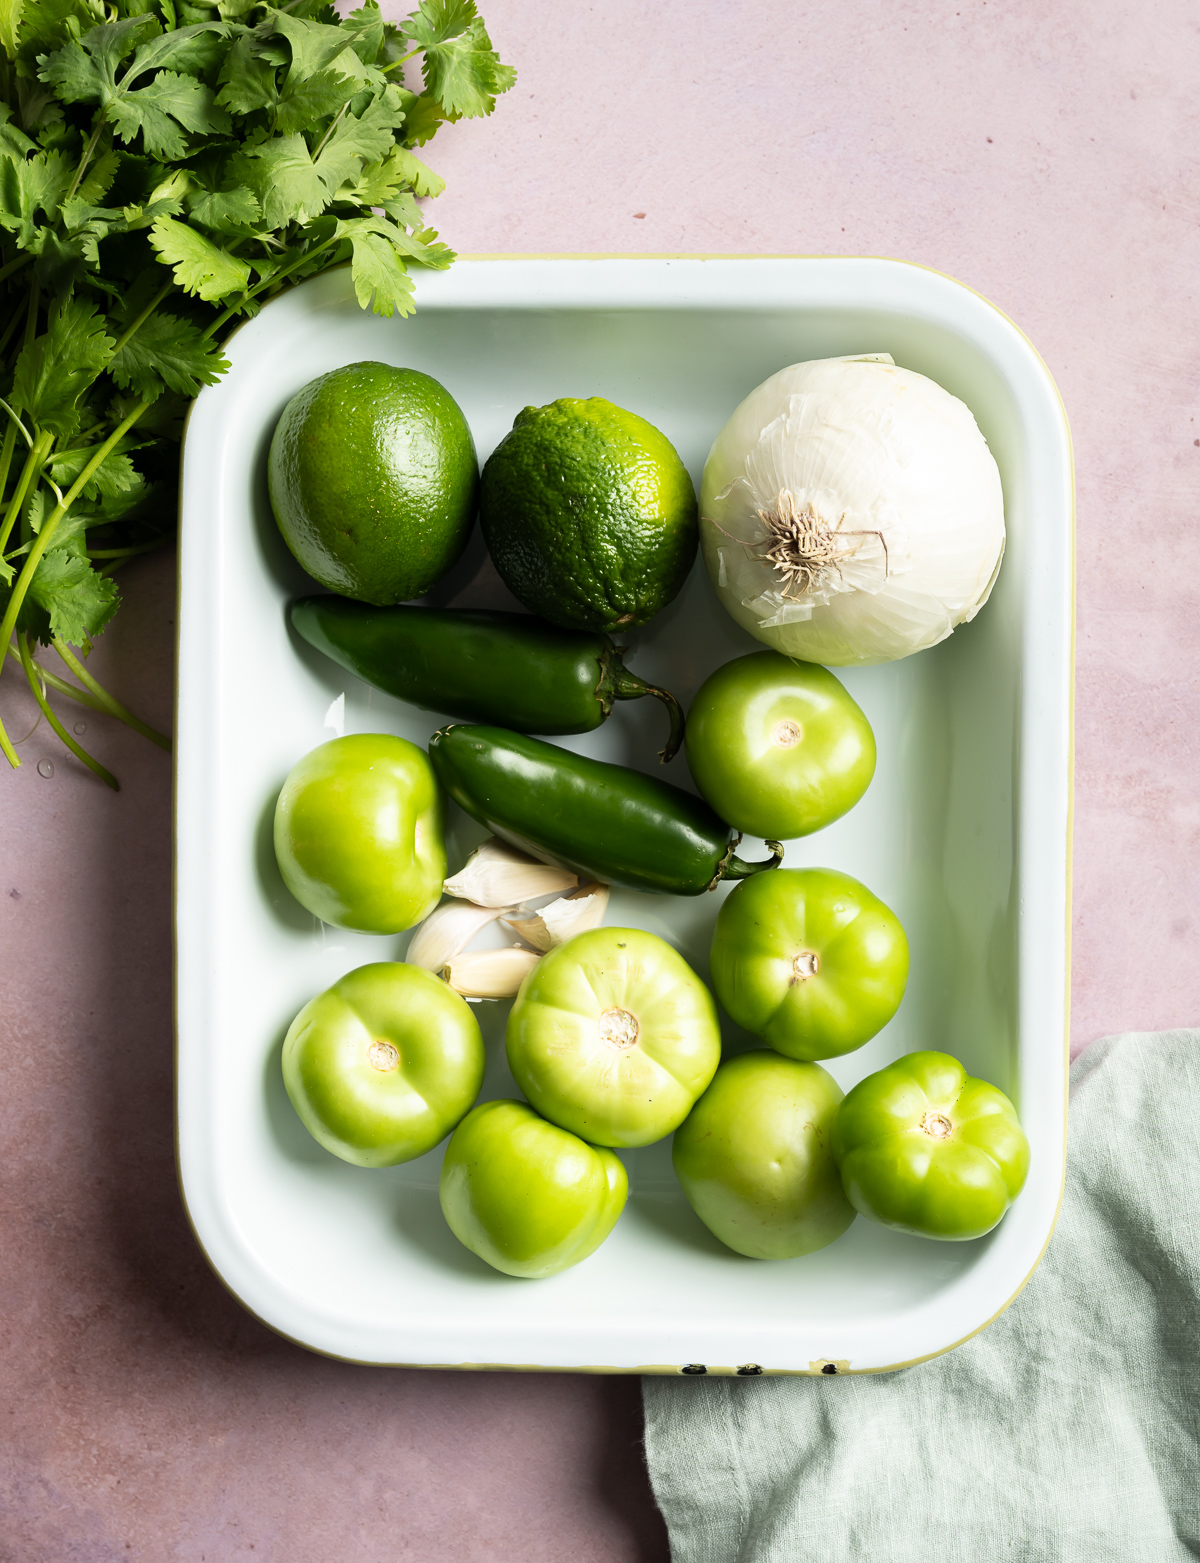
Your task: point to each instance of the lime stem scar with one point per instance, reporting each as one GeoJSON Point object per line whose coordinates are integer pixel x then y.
{"type": "Point", "coordinates": [787, 735]}
{"type": "Point", "coordinates": [936, 1125]}
{"type": "Point", "coordinates": [806, 964]}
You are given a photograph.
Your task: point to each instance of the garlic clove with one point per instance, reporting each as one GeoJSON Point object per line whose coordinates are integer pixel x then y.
{"type": "Point", "coordinates": [563, 919]}
{"type": "Point", "coordinates": [448, 929]}
{"type": "Point", "coordinates": [490, 974]}
{"type": "Point", "coordinates": [497, 875]}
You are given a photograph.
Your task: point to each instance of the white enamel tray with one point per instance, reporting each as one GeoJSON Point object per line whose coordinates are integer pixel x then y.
{"type": "Point", "coordinates": [964, 831]}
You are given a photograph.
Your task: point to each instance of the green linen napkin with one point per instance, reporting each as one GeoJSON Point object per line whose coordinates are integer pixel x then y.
{"type": "Point", "coordinates": [1068, 1431]}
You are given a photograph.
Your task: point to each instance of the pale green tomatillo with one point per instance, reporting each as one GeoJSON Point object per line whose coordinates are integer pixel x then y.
{"type": "Point", "coordinates": [529, 1198]}
{"type": "Point", "coordinates": [925, 1148]}
{"type": "Point", "coordinates": [754, 1158]}
{"type": "Point", "coordinates": [381, 1066]}
{"type": "Point", "coordinates": [358, 833]}
{"type": "Point", "coordinates": [778, 747]}
{"type": "Point", "coordinates": [809, 960]}
{"type": "Point", "coordinates": [613, 1036]}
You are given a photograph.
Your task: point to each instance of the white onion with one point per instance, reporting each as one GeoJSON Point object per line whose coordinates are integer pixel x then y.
{"type": "Point", "coordinates": [878, 499]}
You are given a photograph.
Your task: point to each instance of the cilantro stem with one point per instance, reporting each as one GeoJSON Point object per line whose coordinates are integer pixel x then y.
{"type": "Point", "coordinates": [112, 706]}
{"type": "Point", "coordinates": [7, 750]}
{"type": "Point", "coordinates": [396, 64]}
{"type": "Point", "coordinates": [50, 525]}
{"type": "Point", "coordinates": [6, 456]}
{"type": "Point", "coordinates": [13, 323]}
{"type": "Point", "coordinates": [276, 276]}
{"type": "Point", "coordinates": [62, 687]}
{"type": "Point", "coordinates": [87, 155]}
{"type": "Point", "coordinates": [333, 125]}
{"type": "Point", "coordinates": [39, 694]}
{"type": "Point", "coordinates": [143, 317]}
{"type": "Point", "coordinates": [17, 424]}
{"type": "Point", "coordinates": [29, 473]}
{"type": "Point", "coordinates": [14, 265]}
{"type": "Point", "coordinates": [125, 553]}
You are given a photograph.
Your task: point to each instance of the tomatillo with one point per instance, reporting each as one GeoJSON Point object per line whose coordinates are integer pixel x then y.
{"type": "Point", "coordinates": [529, 1198]}
{"type": "Point", "coordinates": [358, 833]}
{"type": "Point", "coordinates": [613, 1036]}
{"type": "Point", "coordinates": [778, 747]}
{"type": "Point", "coordinates": [924, 1148]}
{"type": "Point", "coordinates": [809, 960]}
{"type": "Point", "coordinates": [754, 1159]}
{"type": "Point", "coordinates": [381, 1066]}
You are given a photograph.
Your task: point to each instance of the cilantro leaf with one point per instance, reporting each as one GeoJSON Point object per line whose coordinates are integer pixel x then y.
{"type": "Point", "coordinates": [461, 69]}
{"type": "Point", "coordinates": [194, 50]}
{"type": "Point", "coordinates": [77, 601]}
{"type": "Point", "coordinates": [97, 182]}
{"type": "Point", "coordinates": [364, 31]}
{"type": "Point", "coordinates": [12, 140]}
{"type": "Point", "coordinates": [225, 211]}
{"type": "Point", "coordinates": [380, 277]}
{"type": "Point", "coordinates": [63, 263]}
{"type": "Point", "coordinates": [357, 140]}
{"type": "Point", "coordinates": [247, 79]}
{"type": "Point", "coordinates": [281, 175]}
{"type": "Point", "coordinates": [200, 267]}
{"type": "Point", "coordinates": [307, 99]}
{"type": "Point", "coordinates": [56, 368]}
{"type": "Point", "coordinates": [29, 187]}
{"type": "Point", "coordinates": [166, 351]}
{"type": "Point", "coordinates": [159, 109]}
{"type": "Point", "coordinates": [314, 46]}
{"type": "Point", "coordinates": [398, 173]}
{"type": "Point", "coordinates": [114, 476]}
{"type": "Point", "coordinates": [10, 21]}
{"type": "Point", "coordinates": [423, 118]}
{"type": "Point", "coordinates": [404, 210]}
{"type": "Point", "coordinates": [85, 70]}
{"type": "Point", "coordinates": [41, 24]}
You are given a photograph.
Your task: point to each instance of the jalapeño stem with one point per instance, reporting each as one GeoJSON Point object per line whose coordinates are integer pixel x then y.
{"type": "Point", "coordinates": [618, 683]}
{"type": "Point", "coordinates": [734, 867]}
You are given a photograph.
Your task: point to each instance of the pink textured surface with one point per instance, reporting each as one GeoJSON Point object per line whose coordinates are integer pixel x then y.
{"type": "Point", "coordinates": [1044, 155]}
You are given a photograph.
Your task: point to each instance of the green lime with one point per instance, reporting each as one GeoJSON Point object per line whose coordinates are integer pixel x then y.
{"type": "Point", "coordinates": [373, 481]}
{"type": "Point", "coordinates": [589, 514]}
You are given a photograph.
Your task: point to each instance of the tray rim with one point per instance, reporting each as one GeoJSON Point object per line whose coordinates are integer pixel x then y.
{"type": "Point", "coordinates": [815, 1369]}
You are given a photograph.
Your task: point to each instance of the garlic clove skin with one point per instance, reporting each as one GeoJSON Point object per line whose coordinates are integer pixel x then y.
{"type": "Point", "coordinates": [447, 930]}
{"type": "Point", "coordinates": [497, 875]}
{"type": "Point", "coordinates": [563, 919]}
{"type": "Point", "coordinates": [490, 974]}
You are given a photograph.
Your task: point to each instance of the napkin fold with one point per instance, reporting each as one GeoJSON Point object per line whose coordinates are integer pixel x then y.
{"type": "Point", "coordinates": [1068, 1430]}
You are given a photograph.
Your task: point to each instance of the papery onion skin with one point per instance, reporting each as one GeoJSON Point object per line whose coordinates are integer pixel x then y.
{"type": "Point", "coordinates": [903, 461]}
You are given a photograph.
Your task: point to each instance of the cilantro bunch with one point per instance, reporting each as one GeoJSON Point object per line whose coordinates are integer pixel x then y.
{"type": "Point", "coordinates": [166, 166]}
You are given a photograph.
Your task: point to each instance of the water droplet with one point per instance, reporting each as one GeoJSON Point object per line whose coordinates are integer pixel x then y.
{"type": "Point", "coordinates": [81, 727]}
{"type": "Point", "coordinates": [45, 768]}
